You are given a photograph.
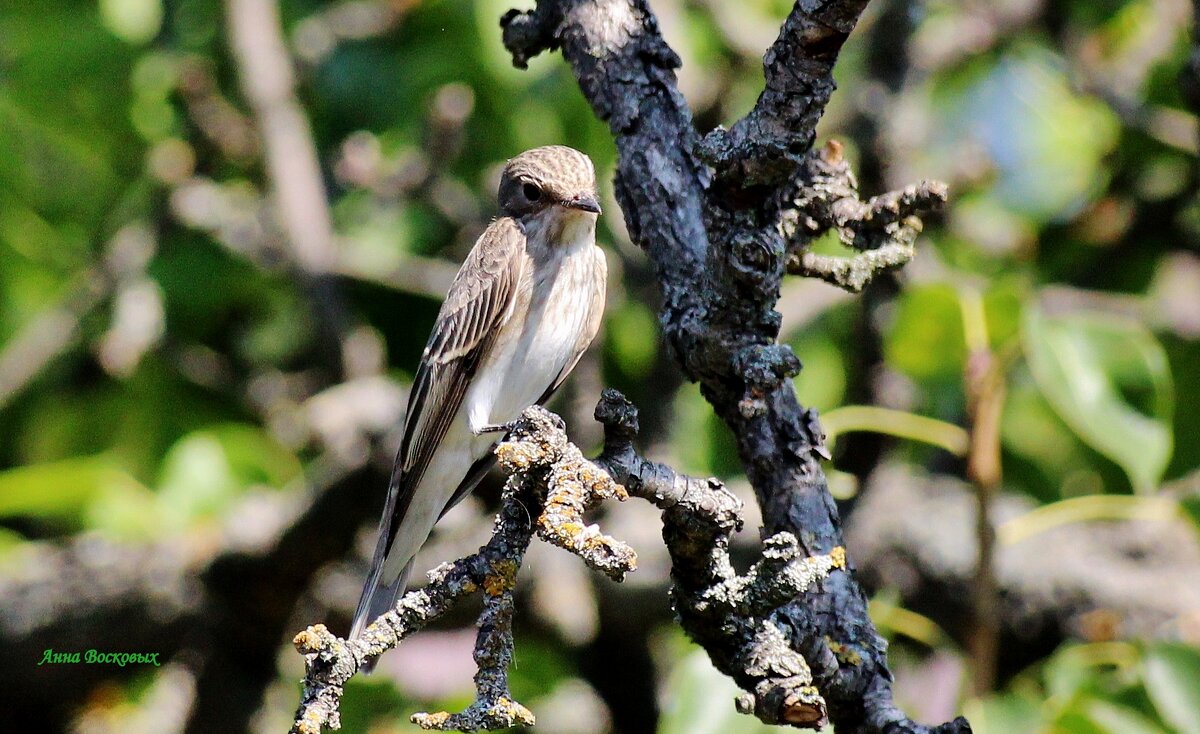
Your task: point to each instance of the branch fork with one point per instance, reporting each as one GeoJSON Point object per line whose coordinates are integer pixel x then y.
{"type": "Point", "coordinates": [550, 485]}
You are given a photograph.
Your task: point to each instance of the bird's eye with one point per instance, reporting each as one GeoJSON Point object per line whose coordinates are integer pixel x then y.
{"type": "Point", "coordinates": [532, 192]}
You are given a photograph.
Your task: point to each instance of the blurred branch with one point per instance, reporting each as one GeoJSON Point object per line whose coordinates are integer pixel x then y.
{"type": "Point", "coordinates": [229, 610]}
{"type": "Point", "coordinates": [975, 28]}
{"type": "Point", "coordinates": [1096, 570]}
{"type": "Point", "coordinates": [50, 333]}
{"type": "Point", "coordinates": [293, 171]}
{"type": "Point", "coordinates": [708, 216]}
{"type": "Point", "coordinates": [56, 329]}
{"type": "Point", "coordinates": [249, 597]}
{"type": "Point", "coordinates": [265, 70]}
{"type": "Point", "coordinates": [425, 276]}
{"type": "Point", "coordinates": [319, 34]}
{"type": "Point", "coordinates": [87, 593]}
{"type": "Point", "coordinates": [729, 615]}
{"type": "Point", "coordinates": [985, 387]}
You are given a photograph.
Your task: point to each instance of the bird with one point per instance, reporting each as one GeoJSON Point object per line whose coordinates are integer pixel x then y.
{"type": "Point", "coordinates": [518, 316]}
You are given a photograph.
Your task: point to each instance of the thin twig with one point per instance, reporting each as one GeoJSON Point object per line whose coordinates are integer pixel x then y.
{"type": "Point", "coordinates": [984, 380]}
{"type": "Point", "coordinates": [50, 333]}
{"type": "Point", "coordinates": [883, 229]}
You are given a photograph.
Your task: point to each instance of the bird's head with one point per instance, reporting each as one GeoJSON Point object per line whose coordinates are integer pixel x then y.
{"type": "Point", "coordinates": [546, 178]}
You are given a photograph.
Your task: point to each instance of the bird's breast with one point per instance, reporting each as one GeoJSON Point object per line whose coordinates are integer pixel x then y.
{"type": "Point", "coordinates": [545, 333]}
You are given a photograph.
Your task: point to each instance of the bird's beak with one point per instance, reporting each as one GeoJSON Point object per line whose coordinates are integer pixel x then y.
{"type": "Point", "coordinates": [584, 203]}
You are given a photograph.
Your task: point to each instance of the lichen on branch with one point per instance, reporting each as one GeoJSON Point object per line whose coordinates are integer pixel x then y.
{"type": "Point", "coordinates": [550, 484]}
{"type": "Point", "coordinates": [883, 229]}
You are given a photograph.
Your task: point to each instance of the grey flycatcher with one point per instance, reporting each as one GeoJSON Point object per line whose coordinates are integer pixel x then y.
{"type": "Point", "coordinates": [520, 313]}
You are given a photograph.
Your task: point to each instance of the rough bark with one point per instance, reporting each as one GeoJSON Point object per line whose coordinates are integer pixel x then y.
{"type": "Point", "coordinates": [709, 211]}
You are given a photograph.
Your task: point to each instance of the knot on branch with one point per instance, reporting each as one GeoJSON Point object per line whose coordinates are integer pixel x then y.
{"type": "Point", "coordinates": [755, 257]}
{"type": "Point", "coordinates": [882, 229]}
{"type": "Point", "coordinates": [763, 367]}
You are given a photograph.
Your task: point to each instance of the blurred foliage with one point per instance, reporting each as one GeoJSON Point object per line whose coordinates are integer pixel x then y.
{"type": "Point", "coordinates": [159, 356]}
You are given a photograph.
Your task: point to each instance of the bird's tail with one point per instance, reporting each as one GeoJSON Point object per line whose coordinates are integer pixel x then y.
{"type": "Point", "coordinates": [378, 597]}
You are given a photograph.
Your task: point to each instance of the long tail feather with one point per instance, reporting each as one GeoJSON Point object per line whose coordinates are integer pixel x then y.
{"type": "Point", "coordinates": [378, 597]}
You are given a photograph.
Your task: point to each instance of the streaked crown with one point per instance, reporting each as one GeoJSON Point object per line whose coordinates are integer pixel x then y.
{"type": "Point", "coordinates": [552, 174]}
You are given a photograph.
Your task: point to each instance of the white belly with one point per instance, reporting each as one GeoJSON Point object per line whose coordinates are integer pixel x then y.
{"type": "Point", "coordinates": [529, 358]}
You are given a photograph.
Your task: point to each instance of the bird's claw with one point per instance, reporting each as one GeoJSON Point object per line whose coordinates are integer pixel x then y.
{"type": "Point", "coordinates": [494, 428]}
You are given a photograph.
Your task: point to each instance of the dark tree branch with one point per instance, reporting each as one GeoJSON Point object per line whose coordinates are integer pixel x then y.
{"type": "Point", "coordinates": [709, 218]}
{"type": "Point", "coordinates": [764, 148]}
{"type": "Point", "coordinates": [729, 615]}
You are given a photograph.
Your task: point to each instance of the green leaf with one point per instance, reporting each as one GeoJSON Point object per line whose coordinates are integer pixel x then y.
{"type": "Point", "coordinates": [1116, 719]}
{"type": "Point", "coordinates": [1172, 676]}
{"type": "Point", "coordinates": [1003, 714]}
{"type": "Point", "coordinates": [926, 339]}
{"type": "Point", "coordinates": [632, 335]}
{"type": "Point", "coordinates": [1190, 506]}
{"type": "Point", "coordinates": [700, 700]}
{"type": "Point", "coordinates": [898, 423]}
{"type": "Point", "coordinates": [207, 469]}
{"type": "Point", "coordinates": [1108, 379]}
{"type": "Point", "coordinates": [58, 488]}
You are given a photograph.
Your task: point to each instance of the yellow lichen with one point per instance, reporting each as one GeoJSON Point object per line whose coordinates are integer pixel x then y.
{"type": "Point", "coordinates": [569, 529]}
{"type": "Point", "coordinates": [844, 653]}
{"type": "Point", "coordinates": [311, 640]}
{"type": "Point", "coordinates": [838, 556]}
{"type": "Point", "coordinates": [435, 720]}
{"type": "Point", "coordinates": [510, 710]}
{"type": "Point", "coordinates": [502, 579]}
{"type": "Point", "coordinates": [310, 724]}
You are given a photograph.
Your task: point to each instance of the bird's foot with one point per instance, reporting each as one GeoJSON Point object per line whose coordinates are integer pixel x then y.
{"type": "Point", "coordinates": [494, 428]}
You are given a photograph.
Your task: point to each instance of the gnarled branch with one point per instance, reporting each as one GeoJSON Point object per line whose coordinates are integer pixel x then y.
{"type": "Point", "coordinates": [884, 229]}
{"type": "Point", "coordinates": [549, 484]}
{"type": "Point", "coordinates": [708, 216]}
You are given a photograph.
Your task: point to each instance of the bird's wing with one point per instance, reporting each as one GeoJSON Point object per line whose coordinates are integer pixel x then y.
{"type": "Point", "coordinates": [480, 300]}
{"type": "Point", "coordinates": [595, 314]}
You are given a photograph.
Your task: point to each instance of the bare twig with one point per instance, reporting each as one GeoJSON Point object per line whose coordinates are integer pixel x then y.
{"type": "Point", "coordinates": [50, 333]}
{"type": "Point", "coordinates": [884, 229]}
